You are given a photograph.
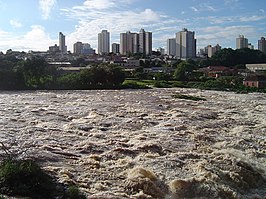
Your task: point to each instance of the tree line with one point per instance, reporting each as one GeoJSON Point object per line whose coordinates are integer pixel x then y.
{"type": "Point", "coordinates": [36, 73]}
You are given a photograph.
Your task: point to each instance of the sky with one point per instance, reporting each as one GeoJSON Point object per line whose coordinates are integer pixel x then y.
{"type": "Point", "coordinates": [34, 24]}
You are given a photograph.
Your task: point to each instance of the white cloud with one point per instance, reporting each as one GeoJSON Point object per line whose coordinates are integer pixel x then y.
{"type": "Point", "coordinates": [35, 39]}
{"type": "Point", "coordinates": [115, 18]}
{"type": "Point", "coordinates": [231, 19]}
{"type": "Point", "coordinates": [224, 36]}
{"type": "Point", "coordinates": [252, 18]}
{"type": "Point", "coordinates": [99, 4]}
{"type": "Point", "coordinates": [194, 9]}
{"type": "Point", "coordinates": [88, 29]}
{"type": "Point", "coordinates": [15, 23]}
{"type": "Point", "coordinates": [203, 8]}
{"type": "Point", "coordinates": [46, 7]}
{"type": "Point", "coordinates": [230, 2]}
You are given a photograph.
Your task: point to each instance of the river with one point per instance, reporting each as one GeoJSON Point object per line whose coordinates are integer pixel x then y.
{"type": "Point", "coordinates": [142, 143]}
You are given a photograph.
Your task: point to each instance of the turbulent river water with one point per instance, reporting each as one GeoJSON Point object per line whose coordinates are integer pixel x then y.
{"type": "Point", "coordinates": [142, 143]}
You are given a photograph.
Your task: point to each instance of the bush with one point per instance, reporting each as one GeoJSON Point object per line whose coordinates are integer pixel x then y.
{"type": "Point", "coordinates": [161, 84]}
{"type": "Point", "coordinates": [73, 192]}
{"type": "Point", "coordinates": [25, 178]}
{"type": "Point", "coordinates": [131, 84]}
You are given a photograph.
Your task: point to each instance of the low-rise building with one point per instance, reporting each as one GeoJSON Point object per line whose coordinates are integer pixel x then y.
{"type": "Point", "coordinates": [256, 68]}
{"type": "Point", "coordinates": [255, 81]}
{"type": "Point", "coordinates": [218, 71]}
{"type": "Point", "coordinates": [127, 63]}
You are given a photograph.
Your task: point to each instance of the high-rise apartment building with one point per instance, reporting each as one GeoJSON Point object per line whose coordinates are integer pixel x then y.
{"type": "Point", "coordinates": [115, 48]}
{"type": "Point", "coordinates": [262, 44]}
{"type": "Point", "coordinates": [171, 47]}
{"type": "Point", "coordinates": [54, 49]}
{"type": "Point", "coordinates": [104, 42]}
{"type": "Point", "coordinates": [62, 43]}
{"type": "Point", "coordinates": [148, 43]}
{"type": "Point", "coordinates": [241, 42]}
{"type": "Point", "coordinates": [211, 50]}
{"type": "Point", "coordinates": [77, 47]}
{"type": "Point", "coordinates": [142, 41]}
{"type": "Point", "coordinates": [136, 43]}
{"type": "Point", "coordinates": [82, 48]}
{"type": "Point", "coordinates": [185, 44]}
{"type": "Point", "coordinates": [87, 49]}
{"type": "Point", "coordinates": [145, 42]}
{"type": "Point", "coordinates": [126, 43]}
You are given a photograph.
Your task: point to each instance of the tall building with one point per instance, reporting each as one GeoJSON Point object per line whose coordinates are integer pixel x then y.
{"type": "Point", "coordinates": [241, 42]}
{"type": "Point", "coordinates": [62, 43]}
{"type": "Point", "coordinates": [171, 46]}
{"type": "Point", "coordinates": [136, 43]}
{"type": "Point", "coordinates": [262, 44]}
{"type": "Point", "coordinates": [87, 49]}
{"type": "Point", "coordinates": [185, 44]}
{"type": "Point", "coordinates": [104, 42]}
{"type": "Point", "coordinates": [145, 42]}
{"type": "Point", "coordinates": [142, 41]}
{"type": "Point", "coordinates": [148, 43]}
{"type": "Point", "coordinates": [54, 49]}
{"type": "Point", "coordinates": [126, 43]}
{"type": "Point", "coordinates": [210, 51]}
{"type": "Point", "coordinates": [115, 48]}
{"type": "Point", "coordinates": [77, 47]}
{"type": "Point", "coordinates": [82, 48]}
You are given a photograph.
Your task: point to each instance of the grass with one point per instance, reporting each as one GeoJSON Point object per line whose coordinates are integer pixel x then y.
{"type": "Point", "coordinates": [188, 97]}
{"type": "Point", "coordinates": [208, 85]}
{"type": "Point", "coordinates": [135, 84]}
{"type": "Point", "coordinates": [25, 178]}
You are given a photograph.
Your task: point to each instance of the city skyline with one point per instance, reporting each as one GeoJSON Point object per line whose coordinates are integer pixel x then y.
{"type": "Point", "coordinates": [35, 25]}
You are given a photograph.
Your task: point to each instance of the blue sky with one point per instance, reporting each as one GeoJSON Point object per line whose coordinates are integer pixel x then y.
{"type": "Point", "coordinates": [34, 24]}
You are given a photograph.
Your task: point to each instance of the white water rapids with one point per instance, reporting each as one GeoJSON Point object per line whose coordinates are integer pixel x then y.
{"type": "Point", "coordinates": [103, 141]}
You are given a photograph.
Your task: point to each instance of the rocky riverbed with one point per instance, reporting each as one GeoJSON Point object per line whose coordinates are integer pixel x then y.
{"type": "Point", "coordinates": [143, 143]}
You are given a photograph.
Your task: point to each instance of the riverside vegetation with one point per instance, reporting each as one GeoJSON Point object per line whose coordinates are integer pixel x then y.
{"type": "Point", "coordinates": [22, 176]}
{"type": "Point", "coordinates": [36, 74]}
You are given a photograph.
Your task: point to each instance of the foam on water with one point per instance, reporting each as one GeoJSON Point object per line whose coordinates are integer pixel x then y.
{"type": "Point", "coordinates": [107, 141]}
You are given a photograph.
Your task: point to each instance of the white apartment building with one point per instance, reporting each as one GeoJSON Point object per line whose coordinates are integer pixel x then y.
{"type": "Point", "coordinates": [241, 42]}
{"type": "Point", "coordinates": [185, 44]}
{"type": "Point", "coordinates": [115, 48]}
{"type": "Point", "coordinates": [262, 44]}
{"type": "Point", "coordinates": [211, 50]}
{"type": "Point", "coordinates": [104, 42]}
{"type": "Point", "coordinates": [136, 43]}
{"type": "Point", "coordinates": [171, 46]}
{"type": "Point", "coordinates": [77, 47]}
{"type": "Point", "coordinates": [126, 43]}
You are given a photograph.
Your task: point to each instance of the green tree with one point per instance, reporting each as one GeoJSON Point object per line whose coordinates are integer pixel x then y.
{"type": "Point", "coordinates": [37, 73]}
{"type": "Point", "coordinates": [229, 57]}
{"type": "Point", "coordinates": [183, 70]}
